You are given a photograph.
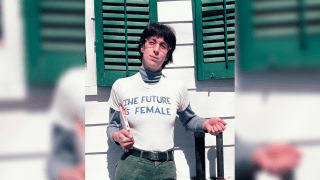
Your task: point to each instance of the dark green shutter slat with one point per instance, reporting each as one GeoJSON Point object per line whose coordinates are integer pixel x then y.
{"type": "Point", "coordinates": [113, 8]}
{"type": "Point", "coordinates": [119, 45]}
{"type": "Point", "coordinates": [131, 53]}
{"type": "Point", "coordinates": [130, 23]}
{"type": "Point", "coordinates": [113, 30]}
{"type": "Point", "coordinates": [134, 16]}
{"type": "Point", "coordinates": [117, 60]}
{"type": "Point", "coordinates": [123, 68]}
{"type": "Point", "coordinates": [107, 52]}
{"type": "Point", "coordinates": [219, 44]}
{"type": "Point", "coordinates": [212, 8]}
{"type": "Point", "coordinates": [135, 31]}
{"type": "Point", "coordinates": [215, 30]}
{"type": "Point", "coordinates": [122, 60]}
{"type": "Point", "coordinates": [121, 23]}
{"type": "Point", "coordinates": [64, 33]}
{"type": "Point", "coordinates": [112, 15]}
{"type": "Point", "coordinates": [138, 9]}
{"type": "Point", "coordinates": [122, 38]}
{"type": "Point", "coordinates": [313, 30]}
{"type": "Point", "coordinates": [214, 1]}
{"type": "Point", "coordinates": [217, 37]}
{"type": "Point", "coordinates": [134, 61]}
{"type": "Point", "coordinates": [113, 67]}
{"type": "Point", "coordinates": [66, 19]}
{"type": "Point", "coordinates": [217, 52]}
{"type": "Point", "coordinates": [218, 59]}
{"type": "Point", "coordinates": [131, 31]}
{"type": "Point", "coordinates": [137, 1]}
{"type": "Point", "coordinates": [134, 68]}
{"type": "Point", "coordinates": [116, 45]}
{"type": "Point", "coordinates": [215, 8]}
{"type": "Point", "coordinates": [63, 47]}
{"type": "Point", "coordinates": [216, 17]}
{"type": "Point", "coordinates": [264, 5]}
{"type": "Point", "coordinates": [113, 1]}
{"type": "Point", "coordinates": [133, 38]}
{"type": "Point", "coordinates": [62, 5]}
{"type": "Point", "coordinates": [232, 21]}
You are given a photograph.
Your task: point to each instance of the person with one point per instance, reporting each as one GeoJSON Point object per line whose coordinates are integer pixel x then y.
{"type": "Point", "coordinates": [151, 102]}
{"type": "Point", "coordinates": [66, 159]}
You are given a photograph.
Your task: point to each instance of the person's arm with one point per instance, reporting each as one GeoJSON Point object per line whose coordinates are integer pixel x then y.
{"type": "Point", "coordinates": [63, 160]}
{"type": "Point", "coordinates": [114, 124]}
{"type": "Point", "coordinates": [192, 122]}
{"type": "Point", "coordinates": [116, 133]}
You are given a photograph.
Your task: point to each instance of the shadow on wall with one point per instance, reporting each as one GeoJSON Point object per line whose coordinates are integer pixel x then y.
{"type": "Point", "coordinates": [184, 141]}
{"type": "Point", "coordinates": [280, 81]}
{"type": "Point", "coordinates": [114, 153]}
{"type": "Point", "coordinates": [212, 156]}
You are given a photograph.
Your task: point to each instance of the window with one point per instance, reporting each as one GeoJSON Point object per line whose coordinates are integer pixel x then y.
{"type": "Point", "coordinates": [279, 34]}
{"type": "Point", "coordinates": [55, 38]}
{"type": "Point", "coordinates": [118, 27]}
{"type": "Point", "coordinates": [214, 29]}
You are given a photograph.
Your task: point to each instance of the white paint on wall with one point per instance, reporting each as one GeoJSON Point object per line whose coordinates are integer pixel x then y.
{"type": "Point", "coordinates": [184, 32]}
{"type": "Point", "coordinates": [91, 77]}
{"type": "Point", "coordinates": [12, 69]}
{"type": "Point", "coordinates": [288, 116]}
{"type": "Point", "coordinates": [174, 11]}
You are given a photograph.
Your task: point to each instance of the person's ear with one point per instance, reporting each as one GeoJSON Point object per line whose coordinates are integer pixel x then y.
{"type": "Point", "coordinates": [142, 49]}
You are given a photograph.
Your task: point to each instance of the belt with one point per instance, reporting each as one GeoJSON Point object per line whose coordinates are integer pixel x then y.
{"type": "Point", "coordinates": [153, 155]}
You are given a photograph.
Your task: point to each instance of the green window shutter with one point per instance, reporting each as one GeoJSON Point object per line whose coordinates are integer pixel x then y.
{"type": "Point", "coordinates": [215, 38]}
{"type": "Point", "coordinates": [118, 26]}
{"type": "Point", "coordinates": [279, 34]}
{"type": "Point", "coordinates": [55, 38]}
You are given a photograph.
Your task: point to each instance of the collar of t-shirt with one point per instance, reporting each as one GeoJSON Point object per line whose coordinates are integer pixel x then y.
{"type": "Point", "coordinates": [150, 77]}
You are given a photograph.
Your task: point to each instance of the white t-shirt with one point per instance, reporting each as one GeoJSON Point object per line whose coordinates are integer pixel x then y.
{"type": "Point", "coordinates": [151, 109]}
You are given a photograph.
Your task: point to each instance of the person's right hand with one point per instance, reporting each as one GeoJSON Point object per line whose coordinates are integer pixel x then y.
{"type": "Point", "coordinates": [124, 138]}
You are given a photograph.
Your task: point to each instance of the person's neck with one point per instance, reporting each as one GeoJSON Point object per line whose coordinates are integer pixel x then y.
{"type": "Point", "coordinates": [150, 77]}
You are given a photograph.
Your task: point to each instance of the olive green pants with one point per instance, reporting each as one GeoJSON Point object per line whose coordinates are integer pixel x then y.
{"type": "Point", "coordinates": [132, 167]}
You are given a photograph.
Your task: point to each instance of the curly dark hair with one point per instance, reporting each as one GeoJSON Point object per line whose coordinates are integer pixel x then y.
{"type": "Point", "coordinates": [160, 31]}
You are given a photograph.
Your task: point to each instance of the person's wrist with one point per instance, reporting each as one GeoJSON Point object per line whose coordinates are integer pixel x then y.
{"type": "Point", "coordinates": [204, 125]}
{"type": "Point", "coordinates": [115, 136]}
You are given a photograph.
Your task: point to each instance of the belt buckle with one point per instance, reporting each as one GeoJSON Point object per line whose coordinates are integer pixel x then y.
{"type": "Point", "coordinates": [154, 156]}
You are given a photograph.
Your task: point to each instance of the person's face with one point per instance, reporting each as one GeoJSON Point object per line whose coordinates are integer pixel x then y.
{"type": "Point", "coordinates": [154, 53]}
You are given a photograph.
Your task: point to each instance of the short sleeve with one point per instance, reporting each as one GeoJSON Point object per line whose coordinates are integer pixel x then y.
{"type": "Point", "coordinates": [115, 96]}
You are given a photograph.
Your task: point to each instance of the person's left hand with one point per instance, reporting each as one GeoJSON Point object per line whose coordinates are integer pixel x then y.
{"type": "Point", "coordinates": [214, 126]}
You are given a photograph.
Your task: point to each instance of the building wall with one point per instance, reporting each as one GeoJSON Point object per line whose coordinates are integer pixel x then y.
{"type": "Point", "coordinates": [279, 106]}
{"type": "Point", "coordinates": [210, 98]}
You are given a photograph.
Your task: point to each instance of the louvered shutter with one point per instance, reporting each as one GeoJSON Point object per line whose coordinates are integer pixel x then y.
{"type": "Point", "coordinates": [55, 38]}
{"type": "Point", "coordinates": [119, 25]}
{"type": "Point", "coordinates": [215, 38]}
{"type": "Point", "coordinates": [279, 34]}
